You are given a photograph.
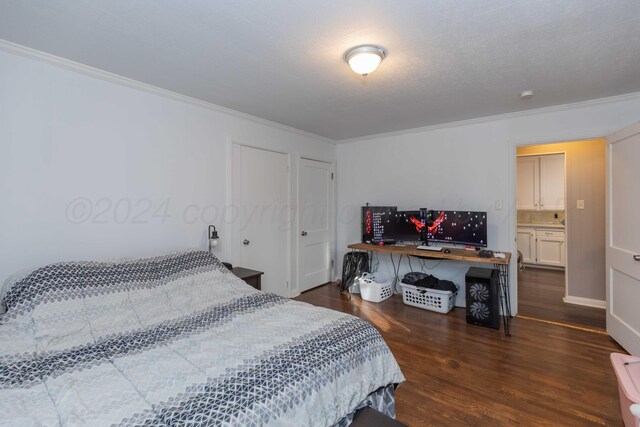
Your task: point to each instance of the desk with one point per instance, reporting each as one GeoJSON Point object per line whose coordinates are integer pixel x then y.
{"type": "Point", "coordinates": [463, 255]}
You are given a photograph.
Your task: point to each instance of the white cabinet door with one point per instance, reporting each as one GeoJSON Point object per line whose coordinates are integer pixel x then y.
{"type": "Point", "coordinates": [527, 194]}
{"type": "Point", "coordinates": [526, 238]}
{"type": "Point", "coordinates": [550, 250]}
{"type": "Point", "coordinates": [552, 182]}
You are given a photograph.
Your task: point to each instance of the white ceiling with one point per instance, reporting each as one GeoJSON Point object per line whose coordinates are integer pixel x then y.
{"type": "Point", "coordinates": [282, 60]}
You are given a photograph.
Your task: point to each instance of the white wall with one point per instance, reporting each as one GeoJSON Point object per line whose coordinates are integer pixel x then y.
{"type": "Point", "coordinates": [466, 165]}
{"type": "Point", "coordinates": [134, 163]}
{"type": "Point", "coordinates": [67, 135]}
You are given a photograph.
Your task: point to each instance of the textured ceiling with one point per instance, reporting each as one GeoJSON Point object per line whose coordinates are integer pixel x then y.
{"type": "Point", "coordinates": [282, 60]}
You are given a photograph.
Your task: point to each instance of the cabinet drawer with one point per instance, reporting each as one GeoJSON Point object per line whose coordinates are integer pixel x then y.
{"type": "Point", "coordinates": [550, 233]}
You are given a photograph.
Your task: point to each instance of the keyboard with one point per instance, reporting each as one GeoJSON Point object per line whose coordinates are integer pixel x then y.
{"type": "Point", "coordinates": [429, 248]}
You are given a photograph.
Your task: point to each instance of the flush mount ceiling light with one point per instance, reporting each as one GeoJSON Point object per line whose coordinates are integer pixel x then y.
{"type": "Point", "coordinates": [365, 59]}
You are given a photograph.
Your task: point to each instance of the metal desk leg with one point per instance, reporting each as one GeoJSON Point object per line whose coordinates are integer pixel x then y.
{"type": "Point", "coordinates": [505, 301]}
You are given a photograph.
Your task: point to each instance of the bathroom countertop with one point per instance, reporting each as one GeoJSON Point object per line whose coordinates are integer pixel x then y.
{"type": "Point", "coordinates": [541, 225]}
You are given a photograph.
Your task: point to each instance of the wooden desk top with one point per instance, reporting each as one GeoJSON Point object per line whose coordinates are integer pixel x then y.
{"type": "Point", "coordinates": [456, 254]}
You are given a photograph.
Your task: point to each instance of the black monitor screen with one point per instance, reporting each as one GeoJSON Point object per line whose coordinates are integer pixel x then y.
{"type": "Point", "coordinates": [463, 227]}
{"type": "Point", "coordinates": [407, 226]}
{"type": "Point", "coordinates": [376, 222]}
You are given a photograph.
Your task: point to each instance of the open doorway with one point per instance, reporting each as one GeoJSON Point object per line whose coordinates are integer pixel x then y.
{"type": "Point", "coordinates": [560, 195]}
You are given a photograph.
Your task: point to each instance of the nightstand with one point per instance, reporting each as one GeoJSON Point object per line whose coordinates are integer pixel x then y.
{"type": "Point", "coordinates": [251, 277]}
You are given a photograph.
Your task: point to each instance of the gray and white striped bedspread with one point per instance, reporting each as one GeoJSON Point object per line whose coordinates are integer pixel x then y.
{"type": "Point", "coordinates": [176, 340]}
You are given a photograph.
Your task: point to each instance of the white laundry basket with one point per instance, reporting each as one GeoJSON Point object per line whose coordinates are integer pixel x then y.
{"type": "Point", "coordinates": [429, 299]}
{"type": "Point", "coordinates": [375, 287]}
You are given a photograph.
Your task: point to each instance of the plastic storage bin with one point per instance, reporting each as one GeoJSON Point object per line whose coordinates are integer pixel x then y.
{"type": "Point", "coordinates": [627, 370]}
{"type": "Point", "coordinates": [375, 287]}
{"type": "Point", "coordinates": [429, 299]}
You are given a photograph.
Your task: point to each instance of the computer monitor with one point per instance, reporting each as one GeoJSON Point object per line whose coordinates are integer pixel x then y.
{"type": "Point", "coordinates": [407, 226]}
{"type": "Point", "coordinates": [376, 222]}
{"type": "Point", "coordinates": [461, 227]}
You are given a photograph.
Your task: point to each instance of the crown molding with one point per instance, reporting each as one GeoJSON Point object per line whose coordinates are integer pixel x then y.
{"type": "Point", "coordinates": [506, 116]}
{"type": "Point", "coordinates": [573, 135]}
{"type": "Point", "coordinates": [28, 52]}
{"type": "Point", "coordinates": [87, 70]}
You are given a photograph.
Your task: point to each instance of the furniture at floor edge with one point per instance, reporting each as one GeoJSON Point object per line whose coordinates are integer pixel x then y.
{"type": "Point", "coordinates": [455, 254]}
{"type": "Point", "coordinates": [251, 277]}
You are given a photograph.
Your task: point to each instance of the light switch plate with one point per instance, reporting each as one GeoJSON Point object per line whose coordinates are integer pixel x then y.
{"type": "Point", "coordinates": [580, 204]}
{"type": "Point", "coordinates": [498, 205]}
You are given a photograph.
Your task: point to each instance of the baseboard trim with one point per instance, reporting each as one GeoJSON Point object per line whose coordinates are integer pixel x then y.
{"type": "Point", "coordinates": [565, 325]}
{"type": "Point", "coordinates": [588, 302]}
{"type": "Point", "coordinates": [543, 267]}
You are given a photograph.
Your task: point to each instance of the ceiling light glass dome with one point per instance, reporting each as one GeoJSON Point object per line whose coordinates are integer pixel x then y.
{"type": "Point", "coordinates": [365, 59]}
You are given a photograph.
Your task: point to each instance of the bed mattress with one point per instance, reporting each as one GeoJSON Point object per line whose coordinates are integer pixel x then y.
{"type": "Point", "coordinates": [175, 340]}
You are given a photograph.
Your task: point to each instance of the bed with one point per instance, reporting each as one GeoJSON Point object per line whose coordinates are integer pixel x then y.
{"type": "Point", "coordinates": [176, 340]}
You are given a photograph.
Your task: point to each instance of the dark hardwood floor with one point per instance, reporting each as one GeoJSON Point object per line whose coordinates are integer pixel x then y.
{"type": "Point", "coordinates": [460, 374]}
{"type": "Point", "coordinates": [540, 293]}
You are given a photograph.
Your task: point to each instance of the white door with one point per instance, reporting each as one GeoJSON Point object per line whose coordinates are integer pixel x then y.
{"type": "Point", "coordinates": [526, 238]}
{"type": "Point", "coordinates": [527, 193]}
{"type": "Point", "coordinates": [315, 199]}
{"type": "Point", "coordinates": [261, 215]}
{"type": "Point", "coordinates": [552, 182]}
{"type": "Point", "coordinates": [623, 238]}
{"type": "Point", "coordinates": [550, 250]}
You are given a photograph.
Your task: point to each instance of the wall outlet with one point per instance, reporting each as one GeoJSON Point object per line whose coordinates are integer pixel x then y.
{"type": "Point", "coordinates": [580, 204]}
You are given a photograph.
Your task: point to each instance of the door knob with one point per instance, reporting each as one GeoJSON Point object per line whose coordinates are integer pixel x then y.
{"type": "Point", "coordinates": [304, 233]}
{"type": "Point", "coordinates": [245, 242]}
{"type": "Point", "coordinates": [636, 257]}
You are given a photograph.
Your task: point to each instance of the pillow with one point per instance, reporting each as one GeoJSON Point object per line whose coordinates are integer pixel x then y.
{"type": "Point", "coordinates": [25, 290]}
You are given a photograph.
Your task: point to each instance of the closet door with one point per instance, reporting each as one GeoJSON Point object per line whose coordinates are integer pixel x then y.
{"type": "Point", "coordinates": [260, 216]}
{"type": "Point", "coordinates": [315, 198]}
